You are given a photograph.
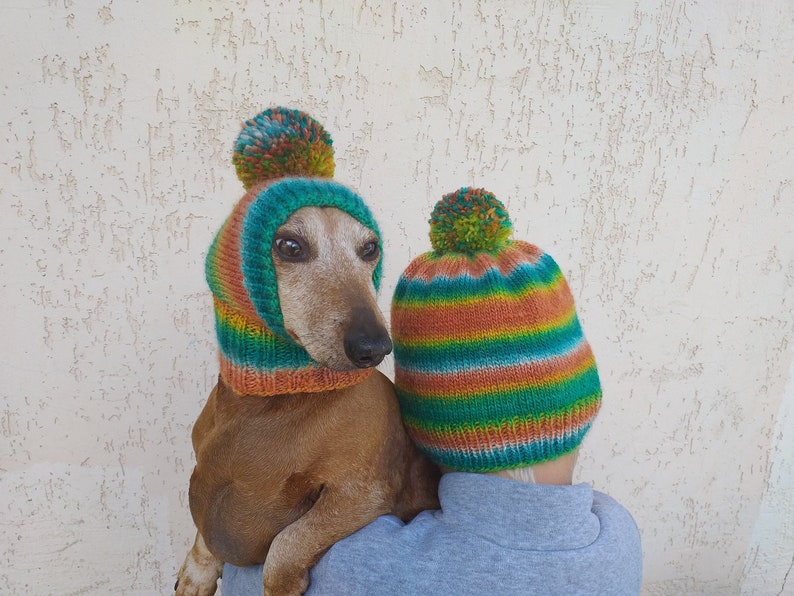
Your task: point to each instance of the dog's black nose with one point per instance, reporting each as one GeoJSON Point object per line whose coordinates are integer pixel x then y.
{"type": "Point", "coordinates": [365, 351]}
{"type": "Point", "coordinates": [366, 340]}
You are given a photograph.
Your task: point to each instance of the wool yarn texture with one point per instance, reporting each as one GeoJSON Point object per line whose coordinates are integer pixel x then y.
{"type": "Point", "coordinates": [492, 368]}
{"type": "Point", "coordinates": [285, 160]}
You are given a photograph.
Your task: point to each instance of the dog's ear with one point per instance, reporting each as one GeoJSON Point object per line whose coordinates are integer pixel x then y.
{"type": "Point", "coordinates": [223, 391]}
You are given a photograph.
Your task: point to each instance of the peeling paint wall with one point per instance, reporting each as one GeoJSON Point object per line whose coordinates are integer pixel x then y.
{"type": "Point", "coordinates": [648, 146]}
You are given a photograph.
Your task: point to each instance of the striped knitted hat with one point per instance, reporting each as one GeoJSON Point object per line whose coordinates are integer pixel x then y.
{"type": "Point", "coordinates": [284, 159]}
{"type": "Point", "coordinates": [491, 366]}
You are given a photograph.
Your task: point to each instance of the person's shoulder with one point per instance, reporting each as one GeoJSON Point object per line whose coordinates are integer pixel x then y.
{"type": "Point", "coordinates": [615, 518]}
{"type": "Point", "coordinates": [386, 532]}
{"type": "Point", "coordinates": [380, 529]}
{"type": "Point", "coordinates": [605, 506]}
{"type": "Point", "coordinates": [368, 561]}
{"type": "Point", "coordinates": [620, 537]}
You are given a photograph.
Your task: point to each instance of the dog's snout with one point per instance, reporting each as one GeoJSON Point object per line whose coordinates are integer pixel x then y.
{"type": "Point", "coordinates": [366, 341]}
{"type": "Point", "coordinates": [366, 351]}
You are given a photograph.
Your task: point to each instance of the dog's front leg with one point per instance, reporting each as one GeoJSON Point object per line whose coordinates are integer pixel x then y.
{"type": "Point", "coordinates": [337, 513]}
{"type": "Point", "coordinates": [200, 571]}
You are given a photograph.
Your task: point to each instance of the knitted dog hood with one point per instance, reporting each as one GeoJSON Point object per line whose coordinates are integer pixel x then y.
{"type": "Point", "coordinates": [285, 161]}
{"type": "Point", "coordinates": [492, 369]}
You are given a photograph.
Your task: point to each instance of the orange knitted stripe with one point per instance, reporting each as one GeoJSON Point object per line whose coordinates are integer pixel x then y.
{"type": "Point", "coordinates": [515, 254]}
{"type": "Point", "coordinates": [487, 317]}
{"type": "Point", "coordinates": [249, 381]}
{"type": "Point", "coordinates": [228, 257]}
{"type": "Point", "coordinates": [474, 382]}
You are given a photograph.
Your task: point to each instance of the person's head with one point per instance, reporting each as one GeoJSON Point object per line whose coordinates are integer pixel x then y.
{"type": "Point", "coordinates": [492, 369]}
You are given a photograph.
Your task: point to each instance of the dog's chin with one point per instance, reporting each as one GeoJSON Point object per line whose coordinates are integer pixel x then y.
{"type": "Point", "coordinates": [336, 364]}
{"type": "Point", "coordinates": [340, 362]}
{"type": "Point", "coordinates": [333, 361]}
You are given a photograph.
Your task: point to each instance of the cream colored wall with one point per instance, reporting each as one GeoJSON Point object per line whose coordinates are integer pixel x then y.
{"type": "Point", "coordinates": [646, 145]}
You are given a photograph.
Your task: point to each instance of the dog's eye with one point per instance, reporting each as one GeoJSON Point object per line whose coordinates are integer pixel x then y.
{"type": "Point", "coordinates": [369, 251]}
{"type": "Point", "coordinates": [289, 248]}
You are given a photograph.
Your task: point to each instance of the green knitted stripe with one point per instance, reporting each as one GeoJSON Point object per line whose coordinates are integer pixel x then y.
{"type": "Point", "coordinates": [259, 350]}
{"type": "Point", "coordinates": [555, 421]}
{"type": "Point", "coordinates": [509, 456]}
{"type": "Point", "coordinates": [270, 210]}
{"type": "Point", "coordinates": [487, 407]}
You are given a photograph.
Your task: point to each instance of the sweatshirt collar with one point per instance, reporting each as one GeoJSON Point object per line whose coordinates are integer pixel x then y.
{"type": "Point", "coordinates": [518, 514]}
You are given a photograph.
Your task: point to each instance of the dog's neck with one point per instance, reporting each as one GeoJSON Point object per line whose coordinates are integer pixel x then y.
{"type": "Point", "coordinates": [256, 361]}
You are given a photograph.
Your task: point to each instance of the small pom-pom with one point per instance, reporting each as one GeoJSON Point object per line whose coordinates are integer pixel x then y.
{"type": "Point", "coordinates": [469, 221]}
{"type": "Point", "coordinates": [281, 142]}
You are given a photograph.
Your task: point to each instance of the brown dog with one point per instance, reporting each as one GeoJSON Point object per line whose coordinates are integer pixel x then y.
{"type": "Point", "coordinates": [279, 479]}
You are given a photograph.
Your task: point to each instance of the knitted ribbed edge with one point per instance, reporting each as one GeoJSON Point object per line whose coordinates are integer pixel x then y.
{"type": "Point", "coordinates": [269, 208]}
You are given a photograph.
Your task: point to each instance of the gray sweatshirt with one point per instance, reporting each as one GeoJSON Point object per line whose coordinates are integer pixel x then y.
{"type": "Point", "coordinates": [491, 536]}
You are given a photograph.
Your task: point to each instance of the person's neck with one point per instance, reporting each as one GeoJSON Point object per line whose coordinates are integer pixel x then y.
{"type": "Point", "coordinates": [557, 471]}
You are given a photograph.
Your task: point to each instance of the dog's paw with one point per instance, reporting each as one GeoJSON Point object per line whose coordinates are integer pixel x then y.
{"type": "Point", "coordinates": [186, 586]}
{"type": "Point", "coordinates": [200, 571]}
{"type": "Point", "coordinates": [197, 580]}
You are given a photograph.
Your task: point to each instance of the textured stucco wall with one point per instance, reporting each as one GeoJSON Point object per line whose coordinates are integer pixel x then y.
{"type": "Point", "coordinates": [649, 146]}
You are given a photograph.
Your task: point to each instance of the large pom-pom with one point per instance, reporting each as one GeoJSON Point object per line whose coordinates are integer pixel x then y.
{"type": "Point", "coordinates": [469, 221]}
{"type": "Point", "coordinates": [281, 142]}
